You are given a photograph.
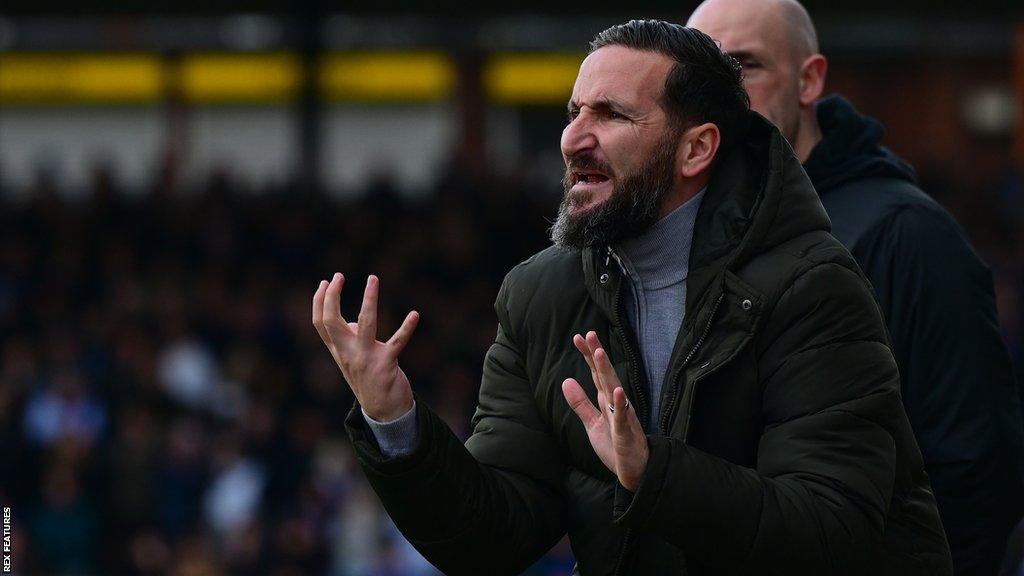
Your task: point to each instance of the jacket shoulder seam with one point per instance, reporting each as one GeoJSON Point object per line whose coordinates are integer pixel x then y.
{"type": "Point", "coordinates": [819, 347]}
{"type": "Point", "coordinates": [814, 266]}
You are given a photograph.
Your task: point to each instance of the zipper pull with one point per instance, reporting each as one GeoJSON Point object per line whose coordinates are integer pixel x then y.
{"type": "Point", "coordinates": [618, 260]}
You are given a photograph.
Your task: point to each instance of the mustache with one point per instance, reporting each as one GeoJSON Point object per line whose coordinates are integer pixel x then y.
{"type": "Point", "coordinates": [587, 161]}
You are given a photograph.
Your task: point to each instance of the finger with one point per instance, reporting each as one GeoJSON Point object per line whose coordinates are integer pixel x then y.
{"type": "Point", "coordinates": [581, 344]}
{"type": "Point", "coordinates": [580, 403]}
{"type": "Point", "coordinates": [332, 318]}
{"type": "Point", "coordinates": [318, 310]}
{"type": "Point", "coordinates": [606, 373]}
{"type": "Point", "coordinates": [368, 312]}
{"type": "Point", "coordinates": [404, 332]}
{"type": "Point", "coordinates": [620, 418]}
{"type": "Point", "coordinates": [593, 341]}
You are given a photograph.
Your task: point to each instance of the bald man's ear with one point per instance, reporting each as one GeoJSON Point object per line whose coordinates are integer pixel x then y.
{"type": "Point", "coordinates": [812, 79]}
{"type": "Point", "coordinates": [699, 146]}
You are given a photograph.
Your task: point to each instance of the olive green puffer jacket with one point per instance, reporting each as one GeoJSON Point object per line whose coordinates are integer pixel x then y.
{"type": "Point", "coordinates": [784, 448]}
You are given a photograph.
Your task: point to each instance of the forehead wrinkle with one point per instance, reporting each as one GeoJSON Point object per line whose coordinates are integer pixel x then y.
{"type": "Point", "coordinates": [630, 72]}
{"type": "Point", "coordinates": [604, 101]}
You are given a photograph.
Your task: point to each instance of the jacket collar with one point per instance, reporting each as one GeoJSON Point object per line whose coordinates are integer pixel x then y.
{"type": "Point", "coordinates": [758, 197]}
{"type": "Point", "coordinates": [850, 148]}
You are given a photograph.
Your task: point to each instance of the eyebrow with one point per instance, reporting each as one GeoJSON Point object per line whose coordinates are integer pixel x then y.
{"type": "Point", "coordinates": [741, 54]}
{"type": "Point", "coordinates": [605, 104]}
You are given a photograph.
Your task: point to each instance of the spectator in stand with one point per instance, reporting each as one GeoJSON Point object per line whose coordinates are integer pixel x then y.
{"type": "Point", "coordinates": [936, 294]}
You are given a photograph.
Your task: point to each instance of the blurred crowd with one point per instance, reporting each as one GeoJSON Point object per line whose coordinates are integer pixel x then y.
{"type": "Point", "coordinates": [166, 406]}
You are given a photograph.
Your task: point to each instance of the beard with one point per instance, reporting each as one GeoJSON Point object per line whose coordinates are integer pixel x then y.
{"type": "Point", "coordinates": [633, 207]}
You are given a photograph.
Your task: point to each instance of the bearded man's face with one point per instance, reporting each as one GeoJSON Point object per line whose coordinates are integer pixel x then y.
{"type": "Point", "coordinates": [619, 148]}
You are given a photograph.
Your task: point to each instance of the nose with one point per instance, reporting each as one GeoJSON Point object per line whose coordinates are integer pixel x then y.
{"type": "Point", "coordinates": [578, 136]}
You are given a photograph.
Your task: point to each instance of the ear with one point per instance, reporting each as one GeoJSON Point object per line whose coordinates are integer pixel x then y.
{"type": "Point", "coordinates": [812, 79]}
{"type": "Point", "coordinates": [699, 145]}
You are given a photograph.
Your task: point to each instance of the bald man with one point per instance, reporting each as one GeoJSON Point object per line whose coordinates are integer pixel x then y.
{"type": "Point", "coordinates": [936, 295]}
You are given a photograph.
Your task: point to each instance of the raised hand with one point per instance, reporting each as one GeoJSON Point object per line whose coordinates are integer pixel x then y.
{"type": "Point", "coordinates": [370, 367]}
{"type": "Point", "coordinates": [613, 427]}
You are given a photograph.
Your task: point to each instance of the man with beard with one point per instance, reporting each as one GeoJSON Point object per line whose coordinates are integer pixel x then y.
{"type": "Point", "coordinates": [935, 293]}
{"type": "Point", "coordinates": [693, 379]}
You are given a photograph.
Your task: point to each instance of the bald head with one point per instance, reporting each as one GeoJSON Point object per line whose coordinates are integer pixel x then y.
{"type": "Point", "coordinates": [775, 42]}
{"type": "Point", "coordinates": [801, 30]}
{"type": "Point", "coordinates": [784, 22]}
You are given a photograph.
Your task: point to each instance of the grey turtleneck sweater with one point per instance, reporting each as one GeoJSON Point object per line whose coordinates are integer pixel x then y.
{"type": "Point", "coordinates": [657, 263]}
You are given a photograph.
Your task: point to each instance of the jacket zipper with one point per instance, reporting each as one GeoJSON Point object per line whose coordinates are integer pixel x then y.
{"type": "Point", "coordinates": [667, 411]}
{"type": "Point", "coordinates": [628, 539]}
{"type": "Point", "coordinates": [638, 384]}
{"type": "Point", "coordinates": [670, 404]}
{"type": "Point", "coordinates": [637, 391]}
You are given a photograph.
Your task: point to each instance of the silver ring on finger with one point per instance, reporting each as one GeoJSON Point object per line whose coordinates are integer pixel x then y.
{"type": "Point", "coordinates": [611, 408]}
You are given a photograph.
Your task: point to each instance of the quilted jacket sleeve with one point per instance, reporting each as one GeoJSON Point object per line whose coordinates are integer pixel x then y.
{"type": "Point", "coordinates": [492, 506]}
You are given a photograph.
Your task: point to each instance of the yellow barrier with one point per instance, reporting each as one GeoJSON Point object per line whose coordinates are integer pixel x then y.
{"type": "Point", "coordinates": [76, 78]}
{"type": "Point", "coordinates": [371, 76]}
{"type": "Point", "coordinates": [386, 76]}
{"type": "Point", "coordinates": [218, 78]}
{"type": "Point", "coordinates": [542, 78]}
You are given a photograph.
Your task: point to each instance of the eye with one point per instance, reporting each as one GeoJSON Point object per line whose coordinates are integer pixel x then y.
{"type": "Point", "coordinates": [749, 64]}
{"type": "Point", "coordinates": [615, 115]}
{"type": "Point", "coordinates": [572, 114]}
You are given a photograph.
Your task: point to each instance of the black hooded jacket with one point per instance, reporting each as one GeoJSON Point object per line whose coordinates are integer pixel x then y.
{"type": "Point", "coordinates": [938, 302]}
{"type": "Point", "coordinates": [783, 447]}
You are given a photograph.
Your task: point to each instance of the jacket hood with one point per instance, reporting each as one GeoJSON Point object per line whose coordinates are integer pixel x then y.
{"type": "Point", "coordinates": [850, 148]}
{"type": "Point", "coordinates": [758, 197]}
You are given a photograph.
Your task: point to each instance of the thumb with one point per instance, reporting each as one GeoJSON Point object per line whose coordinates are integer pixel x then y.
{"type": "Point", "coordinates": [580, 403]}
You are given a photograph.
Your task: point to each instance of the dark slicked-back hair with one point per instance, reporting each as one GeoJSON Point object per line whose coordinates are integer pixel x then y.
{"type": "Point", "coordinates": [705, 85]}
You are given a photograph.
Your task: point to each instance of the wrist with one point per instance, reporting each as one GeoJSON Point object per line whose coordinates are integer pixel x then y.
{"type": "Point", "coordinates": [632, 481]}
{"type": "Point", "coordinates": [386, 414]}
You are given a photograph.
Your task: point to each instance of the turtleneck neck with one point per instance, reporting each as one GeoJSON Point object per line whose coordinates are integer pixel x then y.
{"type": "Point", "coordinates": [660, 256]}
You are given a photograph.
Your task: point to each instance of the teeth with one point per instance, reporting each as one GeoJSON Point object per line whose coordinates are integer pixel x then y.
{"type": "Point", "coordinates": [586, 178]}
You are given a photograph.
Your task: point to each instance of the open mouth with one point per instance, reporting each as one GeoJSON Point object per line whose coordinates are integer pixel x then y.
{"type": "Point", "coordinates": [588, 177]}
{"type": "Point", "coordinates": [589, 188]}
